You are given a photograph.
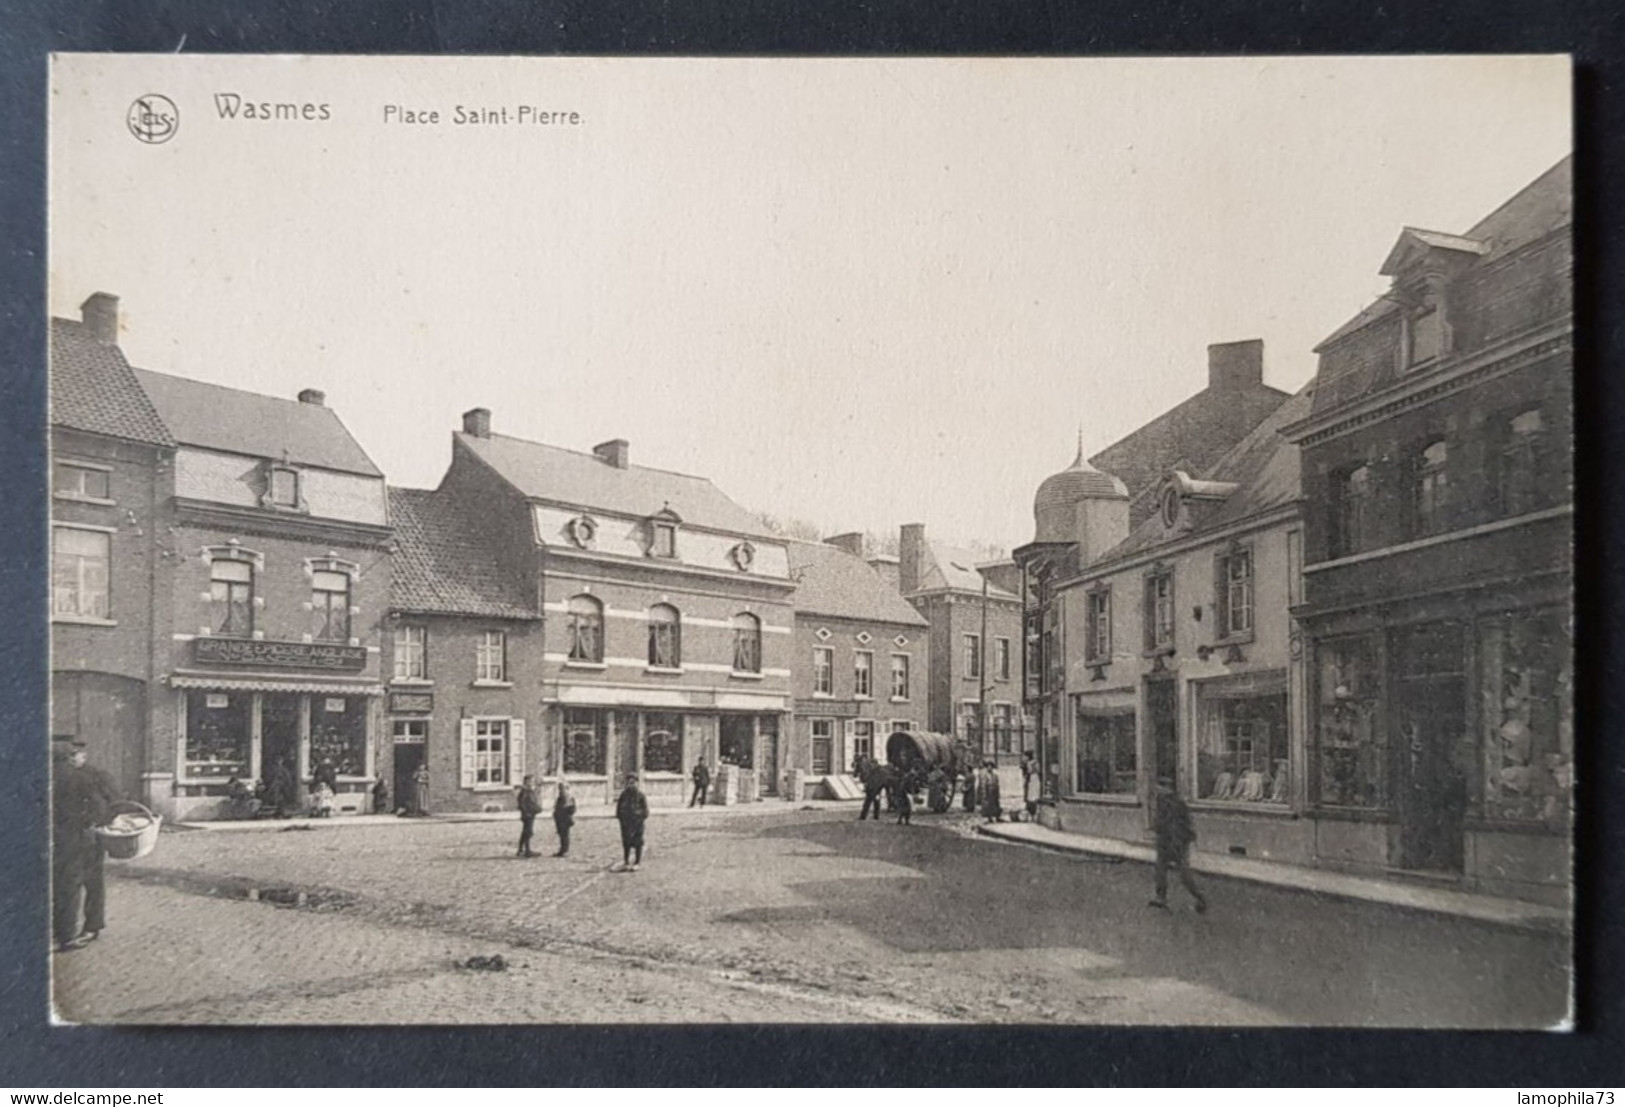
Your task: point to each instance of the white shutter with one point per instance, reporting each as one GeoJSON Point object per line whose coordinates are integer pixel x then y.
{"type": "Point", "coordinates": [851, 728]}
{"type": "Point", "coordinates": [467, 726]}
{"type": "Point", "coordinates": [516, 750]}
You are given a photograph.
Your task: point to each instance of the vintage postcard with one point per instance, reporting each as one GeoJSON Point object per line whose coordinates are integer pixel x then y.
{"type": "Point", "coordinates": [934, 541]}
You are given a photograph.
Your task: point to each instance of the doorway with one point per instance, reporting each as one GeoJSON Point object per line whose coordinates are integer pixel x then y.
{"type": "Point", "coordinates": [1430, 723]}
{"type": "Point", "coordinates": [279, 736]}
{"type": "Point", "coordinates": [1162, 725]}
{"type": "Point", "coordinates": [408, 756]}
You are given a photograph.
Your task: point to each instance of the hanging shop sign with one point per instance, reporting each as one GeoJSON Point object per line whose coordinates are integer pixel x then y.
{"type": "Point", "coordinates": [323, 656]}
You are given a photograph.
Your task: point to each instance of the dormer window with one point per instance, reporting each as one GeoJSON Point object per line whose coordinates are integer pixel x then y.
{"type": "Point", "coordinates": [663, 534]}
{"type": "Point", "coordinates": [283, 488]}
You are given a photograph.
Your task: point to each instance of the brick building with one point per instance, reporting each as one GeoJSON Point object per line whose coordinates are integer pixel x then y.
{"type": "Point", "coordinates": [111, 470]}
{"type": "Point", "coordinates": [464, 659]}
{"type": "Point", "coordinates": [861, 665]}
{"type": "Point", "coordinates": [1438, 558]}
{"type": "Point", "coordinates": [667, 614]}
{"type": "Point", "coordinates": [974, 642]}
{"type": "Point", "coordinates": [275, 571]}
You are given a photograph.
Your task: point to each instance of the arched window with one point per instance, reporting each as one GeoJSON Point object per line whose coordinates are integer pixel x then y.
{"type": "Point", "coordinates": [1351, 493]}
{"type": "Point", "coordinates": [665, 637]}
{"type": "Point", "coordinates": [1520, 462]}
{"type": "Point", "coordinates": [747, 643]}
{"type": "Point", "coordinates": [586, 629]}
{"type": "Point", "coordinates": [231, 596]}
{"type": "Point", "coordinates": [1432, 487]}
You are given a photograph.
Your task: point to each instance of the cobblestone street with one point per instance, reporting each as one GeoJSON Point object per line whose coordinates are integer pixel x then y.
{"type": "Point", "coordinates": [766, 914]}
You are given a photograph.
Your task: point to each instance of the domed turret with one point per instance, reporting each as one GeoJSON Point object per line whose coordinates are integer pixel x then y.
{"type": "Point", "coordinates": [1056, 508]}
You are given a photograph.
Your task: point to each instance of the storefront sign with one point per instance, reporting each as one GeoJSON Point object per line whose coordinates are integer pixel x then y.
{"type": "Point", "coordinates": [837, 709]}
{"type": "Point", "coordinates": [411, 703]}
{"type": "Point", "coordinates": [322, 656]}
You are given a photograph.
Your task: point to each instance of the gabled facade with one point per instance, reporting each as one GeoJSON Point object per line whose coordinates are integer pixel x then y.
{"type": "Point", "coordinates": [1179, 659]}
{"type": "Point", "coordinates": [861, 666]}
{"type": "Point", "coordinates": [667, 614]}
{"type": "Point", "coordinates": [975, 642]}
{"type": "Point", "coordinates": [463, 659]}
{"type": "Point", "coordinates": [275, 570]}
{"type": "Point", "coordinates": [111, 473]}
{"type": "Point", "coordinates": [1438, 558]}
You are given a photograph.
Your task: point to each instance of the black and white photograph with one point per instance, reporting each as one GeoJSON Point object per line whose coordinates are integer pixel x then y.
{"type": "Point", "coordinates": [917, 541]}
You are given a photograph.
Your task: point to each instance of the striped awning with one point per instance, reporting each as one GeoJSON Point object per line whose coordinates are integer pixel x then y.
{"type": "Point", "coordinates": [277, 684]}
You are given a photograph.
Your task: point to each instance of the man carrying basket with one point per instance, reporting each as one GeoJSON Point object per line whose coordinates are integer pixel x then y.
{"type": "Point", "coordinates": [81, 800]}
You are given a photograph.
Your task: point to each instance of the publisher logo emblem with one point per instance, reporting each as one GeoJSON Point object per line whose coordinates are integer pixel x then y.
{"type": "Point", "coordinates": [153, 118]}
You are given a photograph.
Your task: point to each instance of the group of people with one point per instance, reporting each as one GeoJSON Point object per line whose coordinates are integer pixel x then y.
{"type": "Point", "coordinates": [631, 811]}
{"type": "Point", "coordinates": [277, 796]}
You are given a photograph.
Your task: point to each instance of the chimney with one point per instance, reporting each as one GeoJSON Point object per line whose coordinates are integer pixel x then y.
{"type": "Point", "coordinates": [1235, 366]}
{"type": "Point", "coordinates": [851, 542]}
{"type": "Point", "coordinates": [616, 452]}
{"type": "Point", "coordinates": [910, 557]}
{"type": "Point", "coordinates": [100, 315]}
{"type": "Point", "coordinates": [313, 396]}
{"type": "Point", "coordinates": [477, 422]}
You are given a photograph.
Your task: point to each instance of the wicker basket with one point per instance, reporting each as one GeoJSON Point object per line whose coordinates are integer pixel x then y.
{"type": "Point", "coordinates": [136, 834]}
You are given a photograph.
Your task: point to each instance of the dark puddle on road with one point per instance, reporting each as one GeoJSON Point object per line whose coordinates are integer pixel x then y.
{"type": "Point", "coordinates": [311, 897]}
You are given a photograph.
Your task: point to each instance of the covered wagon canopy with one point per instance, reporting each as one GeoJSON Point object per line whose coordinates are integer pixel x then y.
{"type": "Point", "coordinates": [908, 748]}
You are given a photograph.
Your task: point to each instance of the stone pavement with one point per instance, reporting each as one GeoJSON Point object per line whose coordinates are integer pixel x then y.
{"type": "Point", "coordinates": [1442, 901]}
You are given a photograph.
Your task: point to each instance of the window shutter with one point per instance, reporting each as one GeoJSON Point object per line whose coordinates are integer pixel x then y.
{"type": "Point", "coordinates": [467, 764]}
{"type": "Point", "coordinates": [516, 750]}
{"type": "Point", "coordinates": [1221, 595]}
{"type": "Point", "coordinates": [847, 755]}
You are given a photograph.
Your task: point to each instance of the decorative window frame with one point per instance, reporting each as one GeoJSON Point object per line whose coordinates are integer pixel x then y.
{"type": "Point", "coordinates": [1093, 658]}
{"type": "Point", "coordinates": [663, 521]}
{"type": "Point", "coordinates": [582, 531]}
{"type": "Point", "coordinates": [232, 551]}
{"type": "Point", "coordinates": [268, 498]}
{"type": "Point", "coordinates": [1153, 648]}
{"type": "Point", "coordinates": [821, 653]}
{"type": "Point", "coordinates": [1225, 634]}
{"type": "Point", "coordinates": [332, 563]}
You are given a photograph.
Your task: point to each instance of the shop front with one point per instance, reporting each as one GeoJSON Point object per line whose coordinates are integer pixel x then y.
{"type": "Point", "coordinates": [272, 733]}
{"type": "Point", "coordinates": [596, 747]}
{"type": "Point", "coordinates": [1444, 747]}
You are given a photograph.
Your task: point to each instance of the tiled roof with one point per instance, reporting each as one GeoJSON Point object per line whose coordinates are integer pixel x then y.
{"type": "Point", "coordinates": [583, 480]}
{"type": "Point", "coordinates": [93, 388]}
{"type": "Point", "coordinates": [1193, 436]}
{"type": "Point", "coordinates": [234, 421]}
{"type": "Point", "coordinates": [950, 567]}
{"type": "Point", "coordinates": [1545, 205]}
{"type": "Point", "coordinates": [832, 582]}
{"type": "Point", "coordinates": [1263, 465]}
{"type": "Point", "coordinates": [440, 566]}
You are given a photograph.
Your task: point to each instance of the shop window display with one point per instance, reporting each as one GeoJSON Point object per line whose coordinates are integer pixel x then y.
{"type": "Point", "coordinates": [584, 746]}
{"type": "Point", "coordinates": [1526, 681]}
{"type": "Point", "coordinates": [1242, 756]}
{"type": "Point", "coordinates": [338, 732]}
{"type": "Point", "coordinates": [1349, 740]}
{"type": "Point", "coordinates": [217, 734]}
{"type": "Point", "coordinates": [1107, 754]}
{"type": "Point", "coordinates": [663, 743]}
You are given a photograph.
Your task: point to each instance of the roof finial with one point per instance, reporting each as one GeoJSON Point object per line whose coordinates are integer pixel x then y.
{"type": "Point", "coordinates": [1079, 460]}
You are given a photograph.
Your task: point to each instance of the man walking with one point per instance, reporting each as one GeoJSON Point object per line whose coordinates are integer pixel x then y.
{"type": "Point", "coordinates": [631, 811]}
{"type": "Point", "coordinates": [1175, 834]}
{"type": "Point", "coordinates": [702, 783]}
{"type": "Point", "coordinates": [529, 808]}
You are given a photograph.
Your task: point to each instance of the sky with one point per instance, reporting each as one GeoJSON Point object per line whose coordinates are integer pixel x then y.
{"type": "Point", "coordinates": [856, 292]}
